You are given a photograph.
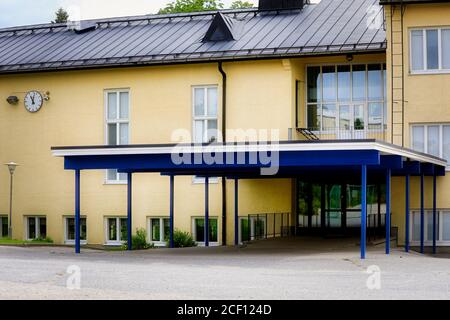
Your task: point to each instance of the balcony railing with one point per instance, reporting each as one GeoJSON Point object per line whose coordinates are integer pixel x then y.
{"type": "Point", "coordinates": [347, 133]}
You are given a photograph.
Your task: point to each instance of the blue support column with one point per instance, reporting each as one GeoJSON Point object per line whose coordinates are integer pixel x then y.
{"type": "Point", "coordinates": [434, 213]}
{"type": "Point", "coordinates": [388, 211]}
{"type": "Point", "coordinates": [207, 212]}
{"type": "Point", "coordinates": [172, 211]}
{"type": "Point", "coordinates": [363, 210]}
{"type": "Point", "coordinates": [130, 202]}
{"type": "Point", "coordinates": [77, 212]}
{"type": "Point", "coordinates": [236, 212]}
{"type": "Point", "coordinates": [407, 180]}
{"type": "Point", "coordinates": [422, 213]}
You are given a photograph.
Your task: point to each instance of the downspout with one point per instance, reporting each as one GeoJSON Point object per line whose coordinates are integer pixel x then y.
{"type": "Point", "coordinates": [224, 137]}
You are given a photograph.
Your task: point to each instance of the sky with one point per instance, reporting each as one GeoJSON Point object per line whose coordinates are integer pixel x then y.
{"type": "Point", "coordinates": [25, 12]}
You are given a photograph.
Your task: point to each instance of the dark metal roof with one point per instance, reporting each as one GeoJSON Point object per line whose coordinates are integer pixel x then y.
{"type": "Point", "coordinates": [330, 27]}
{"type": "Point", "coordinates": [411, 1]}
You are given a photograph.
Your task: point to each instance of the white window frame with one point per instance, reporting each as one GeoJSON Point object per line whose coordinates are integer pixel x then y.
{"type": "Point", "coordinates": [351, 102]}
{"type": "Point", "coordinates": [3, 216]}
{"type": "Point", "coordinates": [161, 230]}
{"type": "Point", "coordinates": [194, 231]}
{"type": "Point", "coordinates": [205, 119]}
{"type": "Point", "coordinates": [119, 240]}
{"type": "Point", "coordinates": [66, 226]}
{"type": "Point", "coordinates": [441, 137]}
{"type": "Point", "coordinates": [118, 121]}
{"type": "Point", "coordinates": [440, 69]}
{"type": "Point", "coordinates": [439, 218]}
{"type": "Point", "coordinates": [36, 226]}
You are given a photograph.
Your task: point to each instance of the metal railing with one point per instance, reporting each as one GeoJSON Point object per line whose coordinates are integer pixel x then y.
{"type": "Point", "coordinates": [267, 225]}
{"type": "Point", "coordinates": [377, 132]}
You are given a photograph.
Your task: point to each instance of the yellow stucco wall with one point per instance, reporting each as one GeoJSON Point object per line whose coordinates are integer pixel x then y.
{"type": "Point", "coordinates": [427, 100]}
{"type": "Point", "coordinates": [160, 102]}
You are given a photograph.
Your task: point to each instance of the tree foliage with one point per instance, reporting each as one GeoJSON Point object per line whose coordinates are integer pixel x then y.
{"type": "Point", "coordinates": [238, 4]}
{"type": "Point", "coordinates": [179, 6]}
{"type": "Point", "coordinates": [61, 16]}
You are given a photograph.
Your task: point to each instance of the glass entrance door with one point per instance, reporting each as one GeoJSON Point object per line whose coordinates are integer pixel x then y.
{"type": "Point", "coordinates": [352, 121]}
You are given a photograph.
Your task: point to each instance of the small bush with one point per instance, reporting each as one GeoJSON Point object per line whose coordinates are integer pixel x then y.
{"type": "Point", "coordinates": [139, 241]}
{"type": "Point", "coordinates": [183, 239]}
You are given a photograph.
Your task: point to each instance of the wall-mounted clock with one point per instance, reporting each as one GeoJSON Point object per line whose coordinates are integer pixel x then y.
{"type": "Point", "coordinates": [33, 101]}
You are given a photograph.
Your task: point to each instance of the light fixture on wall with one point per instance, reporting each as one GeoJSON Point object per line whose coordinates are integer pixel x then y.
{"type": "Point", "coordinates": [349, 57]}
{"type": "Point", "coordinates": [13, 100]}
{"type": "Point", "coordinates": [47, 96]}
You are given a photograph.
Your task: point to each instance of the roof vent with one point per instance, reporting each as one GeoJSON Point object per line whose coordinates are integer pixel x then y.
{"type": "Point", "coordinates": [223, 28]}
{"type": "Point", "coordinates": [81, 27]}
{"type": "Point", "coordinates": [267, 5]}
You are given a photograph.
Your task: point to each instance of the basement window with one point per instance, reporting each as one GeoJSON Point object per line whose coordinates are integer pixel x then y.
{"type": "Point", "coordinates": [36, 228]}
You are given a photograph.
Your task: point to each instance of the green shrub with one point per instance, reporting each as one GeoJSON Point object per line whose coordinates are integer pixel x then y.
{"type": "Point", "coordinates": [139, 241]}
{"type": "Point", "coordinates": [183, 239]}
{"type": "Point", "coordinates": [45, 240]}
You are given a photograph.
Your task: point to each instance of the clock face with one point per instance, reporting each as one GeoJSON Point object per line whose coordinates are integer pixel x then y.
{"type": "Point", "coordinates": [33, 101]}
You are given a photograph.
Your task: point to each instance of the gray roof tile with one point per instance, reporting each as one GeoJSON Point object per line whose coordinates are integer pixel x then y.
{"type": "Point", "coordinates": [332, 26]}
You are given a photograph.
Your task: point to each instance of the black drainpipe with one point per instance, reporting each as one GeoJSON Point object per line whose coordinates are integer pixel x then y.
{"type": "Point", "coordinates": [224, 135]}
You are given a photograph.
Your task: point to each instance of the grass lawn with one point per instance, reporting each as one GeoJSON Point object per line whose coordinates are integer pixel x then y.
{"type": "Point", "coordinates": [6, 241]}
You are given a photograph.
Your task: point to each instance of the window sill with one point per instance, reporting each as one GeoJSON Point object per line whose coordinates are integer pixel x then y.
{"type": "Point", "coordinates": [115, 183]}
{"type": "Point", "coordinates": [211, 244]}
{"type": "Point", "coordinates": [72, 242]}
{"type": "Point", "coordinates": [428, 72]}
{"type": "Point", "coordinates": [159, 244]}
{"type": "Point", "coordinates": [114, 244]}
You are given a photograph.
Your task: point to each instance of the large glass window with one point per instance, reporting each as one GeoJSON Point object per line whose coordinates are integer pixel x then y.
{"type": "Point", "coordinates": [117, 126]}
{"type": "Point", "coordinates": [433, 139]}
{"type": "Point", "coordinates": [442, 227]}
{"type": "Point", "coordinates": [159, 230]}
{"type": "Point", "coordinates": [199, 230]}
{"type": "Point", "coordinates": [36, 228]}
{"type": "Point", "coordinates": [70, 230]}
{"type": "Point", "coordinates": [346, 97]}
{"type": "Point", "coordinates": [117, 231]}
{"type": "Point", "coordinates": [430, 49]}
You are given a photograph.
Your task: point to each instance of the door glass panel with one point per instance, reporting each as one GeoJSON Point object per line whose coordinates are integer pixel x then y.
{"type": "Point", "coordinates": [112, 229]}
{"type": "Point", "coordinates": [358, 117]}
{"type": "Point", "coordinates": [314, 117]}
{"type": "Point", "coordinates": [156, 230]}
{"type": "Point", "coordinates": [344, 117]}
{"type": "Point", "coordinates": [344, 81]}
{"type": "Point", "coordinates": [359, 82]}
{"type": "Point", "coordinates": [445, 34]}
{"type": "Point", "coordinates": [418, 138]}
{"type": "Point", "coordinates": [112, 106]}
{"type": "Point", "coordinates": [314, 84]}
{"type": "Point", "coordinates": [432, 49]}
{"type": "Point", "coordinates": [329, 83]}
{"type": "Point", "coordinates": [329, 117]}
{"type": "Point", "coordinates": [375, 116]}
{"type": "Point", "coordinates": [446, 226]}
{"type": "Point", "coordinates": [31, 228]}
{"type": "Point", "coordinates": [333, 217]}
{"type": "Point", "coordinates": [433, 140]}
{"type": "Point", "coordinates": [245, 231]}
{"type": "Point", "coordinates": [417, 49]}
{"type": "Point", "coordinates": [199, 230]}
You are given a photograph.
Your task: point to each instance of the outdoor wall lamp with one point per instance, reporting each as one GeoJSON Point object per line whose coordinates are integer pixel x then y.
{"type": "Point", "coordinates": [349, 57]}
{"type": "Point", "coordinates": [12, 100]}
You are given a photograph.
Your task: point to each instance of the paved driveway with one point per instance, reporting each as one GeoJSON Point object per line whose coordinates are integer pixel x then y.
{"type": "Point", "coordinates": [276, 269]}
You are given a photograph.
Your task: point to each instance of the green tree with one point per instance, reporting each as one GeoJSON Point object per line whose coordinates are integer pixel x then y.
{"type": "Point", "coordinates": [179, 6]}
{"type": "Point", "coordinates": [61, 16]}
{"type": "Point", "coordinates": [238, 4]}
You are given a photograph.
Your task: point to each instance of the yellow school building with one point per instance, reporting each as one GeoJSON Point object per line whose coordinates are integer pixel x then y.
{"type": "Point", "coordinates": [293, 118]}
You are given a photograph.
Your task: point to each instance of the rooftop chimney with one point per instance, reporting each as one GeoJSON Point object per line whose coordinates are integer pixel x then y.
{"type": "Point", "coordinates": [265, 5]}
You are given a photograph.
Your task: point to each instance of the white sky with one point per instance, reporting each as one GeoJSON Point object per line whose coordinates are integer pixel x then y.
{"type": "Point", "coordinates": [24, 12]}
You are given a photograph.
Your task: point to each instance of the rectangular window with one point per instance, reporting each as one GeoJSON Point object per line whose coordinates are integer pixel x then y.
{"type": "Point", "coordinates": [433, 139]}
{"type": "Point", "coordinates": [116, 230]}
{"type": "Point", "coordinates": [4, 227]}
{"type": "Point", "coordinates": [69, 223]}
{"type": "Point", "coordinates": [159, 231]}
{"type": "Point", "coordinates": [36, 228]}
{"type": "Point", "coordinates": [117, 126]}
{"type": "Point", "coordinates": [442, 227]}
{"type": "Point", "coordinates": [199, 230]}
{"type": "Point", "coordinates": [205, 107]}
{"type": "Point", "coordinates": [346, 98]}
{"type": "Point", "coordinates": [430, 50]}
